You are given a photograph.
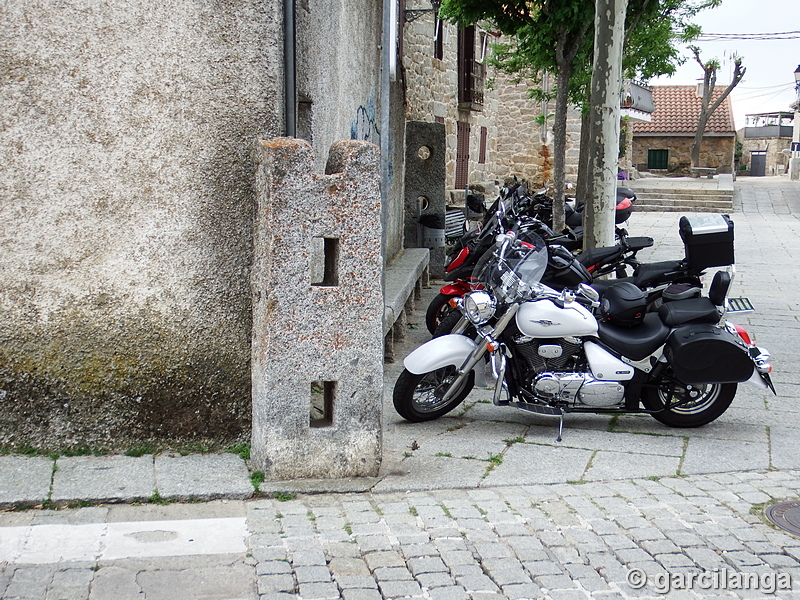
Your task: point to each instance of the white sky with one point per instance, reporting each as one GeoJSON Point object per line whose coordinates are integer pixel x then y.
{"type": "Point", "coordinates": [768, 84]}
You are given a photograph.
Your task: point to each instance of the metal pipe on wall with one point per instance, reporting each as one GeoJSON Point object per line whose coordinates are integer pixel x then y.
{"type": "Point", "coordinates": [289, 68]}
{"type": "Point", "coordinates": [385, 120]}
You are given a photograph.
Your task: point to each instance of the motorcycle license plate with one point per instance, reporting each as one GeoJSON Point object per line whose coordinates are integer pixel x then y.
{"type": "Point", "coordinates": [739, 305]}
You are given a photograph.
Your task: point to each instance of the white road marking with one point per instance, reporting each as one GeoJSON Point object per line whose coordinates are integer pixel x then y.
{"type": "Point", "coordinates": [41, 544]}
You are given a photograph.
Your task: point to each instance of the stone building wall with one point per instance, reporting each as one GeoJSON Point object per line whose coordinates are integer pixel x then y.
{"type": "Point", "coordinates": [716, 151]}
{"type": "Point", "coordinates": [514, 139]}
{"type": "Point", "coordinates": [777, 162]}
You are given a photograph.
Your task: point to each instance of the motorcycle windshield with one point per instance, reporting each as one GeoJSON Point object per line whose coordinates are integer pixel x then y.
{"type": "Point", "coordinates": [521, 266]}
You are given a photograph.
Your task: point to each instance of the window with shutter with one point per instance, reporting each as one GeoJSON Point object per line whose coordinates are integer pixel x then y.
{"type": "Point", "coordinates": [471, 73]}
{"type": "Point", "coordinates": [462, 155]}
{"type": "Point", "coordinates": [657, 159]}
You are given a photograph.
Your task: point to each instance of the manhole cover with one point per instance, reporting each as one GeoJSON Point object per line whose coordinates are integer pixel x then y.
{"type": "Point", "coordinates": [785, 515]}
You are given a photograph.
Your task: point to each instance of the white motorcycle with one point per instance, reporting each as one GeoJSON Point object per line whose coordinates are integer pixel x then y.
{"type": "Point", "coordinates": [557, 352]}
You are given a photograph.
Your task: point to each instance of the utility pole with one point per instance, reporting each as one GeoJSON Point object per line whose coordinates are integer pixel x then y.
{"type": "Point", "coordinates": [609, 33]}
{"type": "Point", "coordinates": [794, 162]}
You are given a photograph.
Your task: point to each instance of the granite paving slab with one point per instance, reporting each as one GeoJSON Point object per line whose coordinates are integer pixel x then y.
{"type": "Point", "coordinates": [113, 478]}
{"type": "Point", "coordinates": [24, 479]}
{"type": "Point", "coordinates": [207, 476]}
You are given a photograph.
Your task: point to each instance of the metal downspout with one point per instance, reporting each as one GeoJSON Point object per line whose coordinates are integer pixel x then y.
{"type": "Point", "coordinates": [289, 68]}
{"type": "Point", "coordinates": [385, 121]}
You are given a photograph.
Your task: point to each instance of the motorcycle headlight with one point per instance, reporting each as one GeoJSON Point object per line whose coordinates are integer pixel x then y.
{"type": "Point", "coordinates": [479, 306]}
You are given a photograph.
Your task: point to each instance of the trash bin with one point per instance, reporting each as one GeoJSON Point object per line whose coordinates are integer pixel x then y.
{"type": "Point", "coordinates": [432, 231]}
{"type": "Point", "coordinates": [476, 206]}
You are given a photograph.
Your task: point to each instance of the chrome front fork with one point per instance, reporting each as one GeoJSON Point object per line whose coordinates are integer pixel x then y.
{"type": "Point", "coordinates": [499, 363]}
{"type": "Point", "coordinates": [477, 354]}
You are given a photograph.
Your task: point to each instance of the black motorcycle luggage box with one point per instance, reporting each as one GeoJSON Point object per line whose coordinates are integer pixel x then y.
{"type": "Point", "coordinates": [705, 353]}
{"type": "Point", "coordinates": [707, 241]}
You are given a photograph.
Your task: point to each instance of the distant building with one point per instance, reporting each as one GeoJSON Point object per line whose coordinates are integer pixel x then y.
{"type": "Point", "coordinates": [766, 140]}
{"type": "Point", "coordinates": [664, 144]}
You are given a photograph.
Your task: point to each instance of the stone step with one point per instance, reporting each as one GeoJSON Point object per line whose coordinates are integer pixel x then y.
{"type": "Point", "coordinates": [679, 194]}
{"type": "Point", "coordinates": [675, 200]}
{"type": "Point", "coordinates": [685, 206]}
{"type": "Point", "coordinates": [684, 199]}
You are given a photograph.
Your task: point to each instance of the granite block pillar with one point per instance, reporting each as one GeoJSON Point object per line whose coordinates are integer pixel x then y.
{"type": "Point", "coordinates": [424, 183]}
{"type": "Point", "coordinates": [317, 350]}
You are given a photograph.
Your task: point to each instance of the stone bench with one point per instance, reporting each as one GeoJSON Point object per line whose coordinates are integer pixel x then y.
{"type": "Point", "coordinates": [700, 171]}
{"type": "Point", "coordinates": [404, 279]}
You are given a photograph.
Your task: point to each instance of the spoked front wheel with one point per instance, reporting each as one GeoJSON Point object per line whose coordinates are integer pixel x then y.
{"type": "Point", "coordinates": [692, 405]}
{"type": "Point", "coordinates": [420, 397]}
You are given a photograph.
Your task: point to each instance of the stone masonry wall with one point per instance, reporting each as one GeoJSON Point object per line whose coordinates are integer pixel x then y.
{"type": "Point", "coordinates": [126, 207]}
{"type": "Point", "coordinates": [514, 139]}
{"type": "Point", "coordinates": [777, 162]}
{"type": "Point", "coordinates": [714, 152]}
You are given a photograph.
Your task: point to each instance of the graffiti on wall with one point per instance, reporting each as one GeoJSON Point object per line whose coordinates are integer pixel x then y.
{"type": "Point", "coordinates": [364, 126]}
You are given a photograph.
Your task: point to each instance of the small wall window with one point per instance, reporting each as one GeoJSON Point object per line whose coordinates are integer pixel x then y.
{"type": "Point", "coordinates": [438, 41]}
{"type": "Point", "coordinates": [322, 398]}
{"type": "Point", "coordinates": [325, 261]}
{"type": "Point", "coordinates": [657, 159]}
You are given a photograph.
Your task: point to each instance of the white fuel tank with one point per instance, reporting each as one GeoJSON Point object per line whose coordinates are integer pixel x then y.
{"type": "Point", "coordinates": [543, 319]}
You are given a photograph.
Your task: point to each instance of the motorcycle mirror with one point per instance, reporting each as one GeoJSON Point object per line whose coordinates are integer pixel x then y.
{"type": "Point", "coordinates": [589, 292]}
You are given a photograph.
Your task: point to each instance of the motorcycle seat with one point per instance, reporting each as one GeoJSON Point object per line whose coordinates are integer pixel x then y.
{"type": "Point", "coordinates": [691, 310]}
{"type": "Point", "coordinates": [649, 274]}
{"type": "Point", "coordinates": [597, 255]}
{"type": "Point", "coordinates": [635, 342]}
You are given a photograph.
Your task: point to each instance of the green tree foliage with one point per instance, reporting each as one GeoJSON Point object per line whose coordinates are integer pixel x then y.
{"type": "Point", "coordinates": [547, 36]}
{"type": "Point", "coordinates": [556, 37]}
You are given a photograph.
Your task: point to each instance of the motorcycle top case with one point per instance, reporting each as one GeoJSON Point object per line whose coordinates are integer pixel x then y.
{"type": "Point", "coordinates": [705, 353]}
{"type": "Point", "coordinates": [707, 240]}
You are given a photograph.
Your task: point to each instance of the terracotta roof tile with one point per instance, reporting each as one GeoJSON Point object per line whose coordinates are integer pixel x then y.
{"type": "Point", "coordinates": [678, 109]}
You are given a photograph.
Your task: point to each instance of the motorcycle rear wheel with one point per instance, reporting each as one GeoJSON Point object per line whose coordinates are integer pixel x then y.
{"type": "Point", "coordinates": [708, 401]}
{"type": "Point", "coordinates": [418, 398]}
{"type": "Point", "coordinates": [438, 309]}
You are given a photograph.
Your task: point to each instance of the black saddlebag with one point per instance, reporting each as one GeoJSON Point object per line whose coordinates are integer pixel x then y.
{"type": "Point", "coordinates": [707, 354]}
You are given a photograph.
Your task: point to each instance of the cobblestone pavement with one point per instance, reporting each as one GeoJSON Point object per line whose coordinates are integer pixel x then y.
{"type": "Point", "coordinates": [469, 508]}
{"type": "Point", "coordinates": [559, 542]}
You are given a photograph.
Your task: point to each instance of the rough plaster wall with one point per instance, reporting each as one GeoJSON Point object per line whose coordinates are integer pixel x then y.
{"type": "Point", "coordinates": [126, 215]}
{"type": "Point", "coordinates": [338, 85]}
{"type": "Point", "coordinates": [338, 69]}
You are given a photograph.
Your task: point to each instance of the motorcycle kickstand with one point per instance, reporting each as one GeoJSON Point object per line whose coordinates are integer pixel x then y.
{"type": "Point", "coordinates": [560, 426]}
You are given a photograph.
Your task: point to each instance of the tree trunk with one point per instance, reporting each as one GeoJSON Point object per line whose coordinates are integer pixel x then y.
{"type": "Point", "coordinates": [604, 118]}
{"type": "Point", "coordinates": [698, 139]}
{"type": "Point", "coordinates": [560, 143]}
{"type": "Point", "coordinates": [706, 108]}
{"type": "Point", "coordinates": [582, 187]}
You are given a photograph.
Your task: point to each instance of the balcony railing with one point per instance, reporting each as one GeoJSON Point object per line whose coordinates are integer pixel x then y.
{"type": "Point", "coordinates": [636, 101]}
{"type": "Point", "coordinates": [769, 131]}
